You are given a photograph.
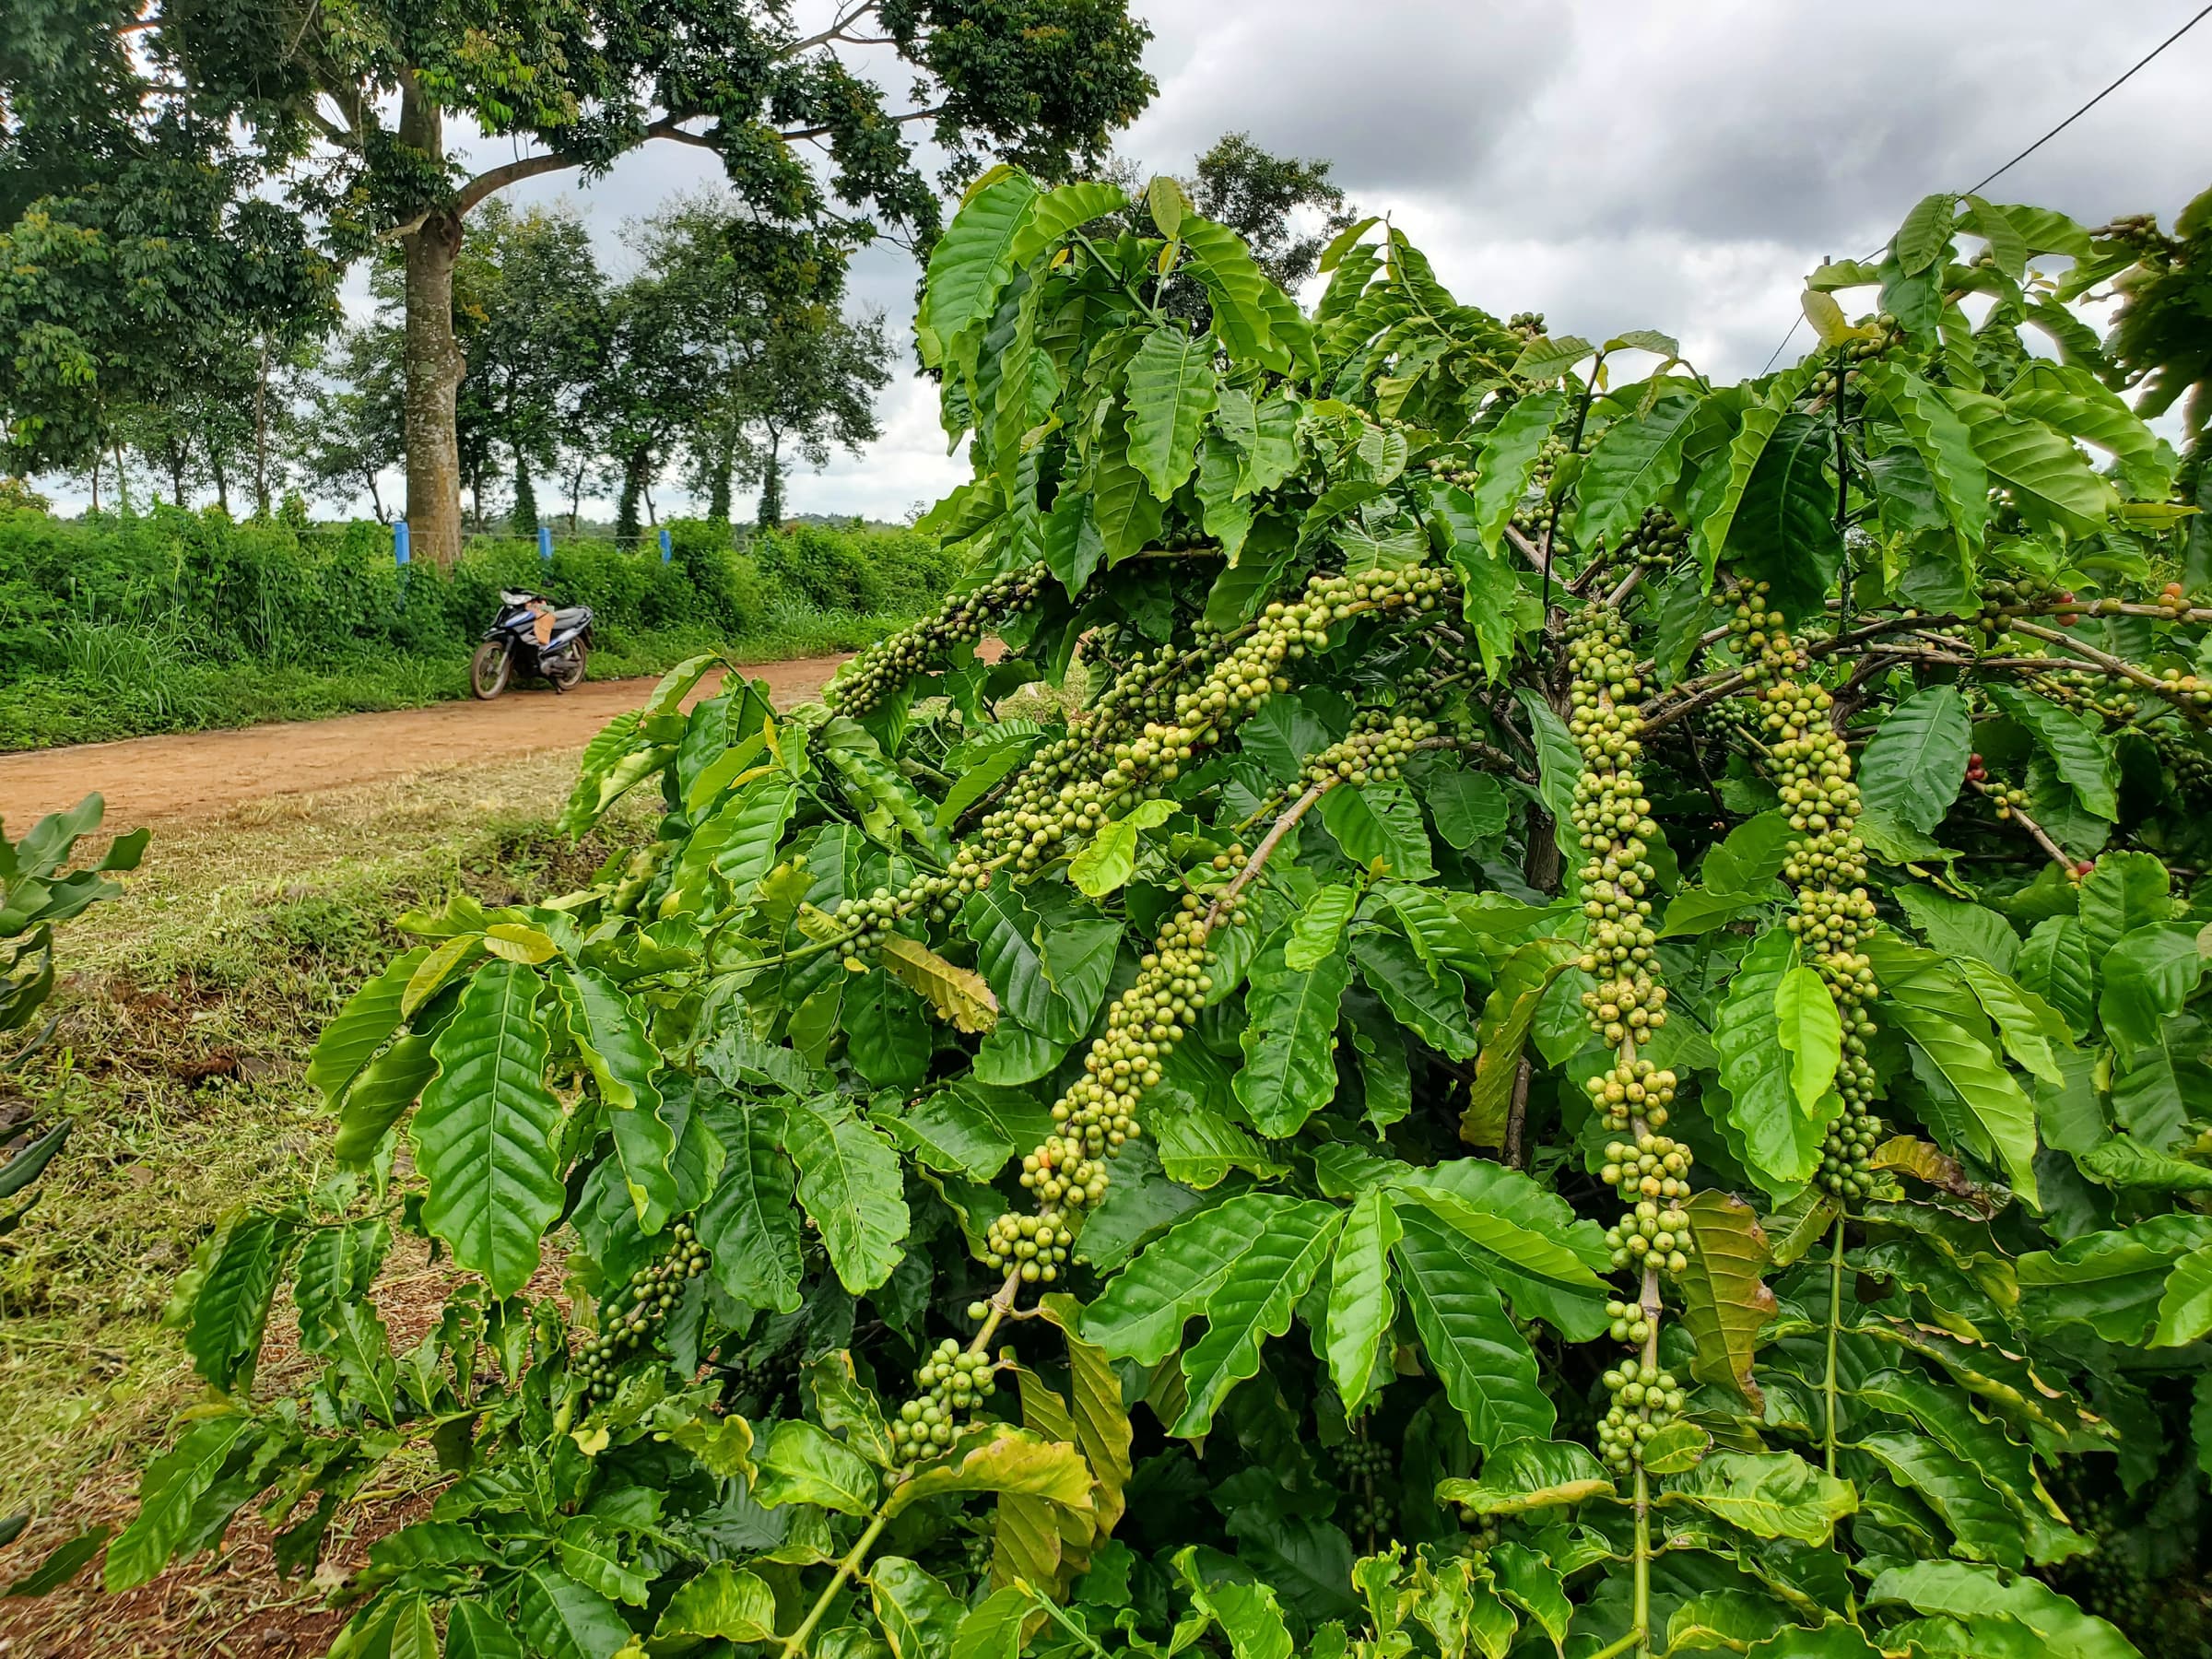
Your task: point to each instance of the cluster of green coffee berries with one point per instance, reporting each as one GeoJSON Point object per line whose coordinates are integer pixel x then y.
{"type": "Point", "coordinates": [954, 1384]}
{"type": "Point", "coordinates": [1364, 1468]}
{"type": "Point", "coordinates": [1826, 863]}
{"type": "Point", "coordinates": [962, 619]}
{"type": "Point", "coordinates": [1761, 636]}
{"type": "Point", "coordinates": [871, 920]}
{"type": "Point", "coordinates": [1855, 352]}
{"type": "Point", "coordinates": [1529, 325]}
{"type": "Point", "coordinates": [1613, 826]}
{"type": "Point", "coordinates": [1098, 1116]}
{"type": "Point", "coordinates": [1375, 749]}
{"type": "Point", "coordinates": [2184, 762]}
{"type": "Point", "coordinates": [639, 1309]}
{"type": "Point", "coordinates": [1530, 515]}
{"type": "Point", "coordinates": [1653, 1177]}
{"type": "Point", "coordinates": [1645, 1400]}
{"type": "Point", "coordinates": [1656, 541]}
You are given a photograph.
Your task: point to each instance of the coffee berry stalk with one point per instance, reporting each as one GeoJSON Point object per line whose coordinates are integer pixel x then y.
{"type": "Point", "coordinates": [639, 1309]}
{"type": "Point", "coordinates": [1614, 826]}
{"type": "Point", "coordinates": [1826, 863]}
{"type": "Point", "coordinates": [878, 673]}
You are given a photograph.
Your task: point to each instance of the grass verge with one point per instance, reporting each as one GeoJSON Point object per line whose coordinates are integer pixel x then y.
{"type": "Point", "coordinates": [188, 1009]}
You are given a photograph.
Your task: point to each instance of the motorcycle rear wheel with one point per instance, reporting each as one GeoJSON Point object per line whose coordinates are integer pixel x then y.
{"type": "Point", "coordinates": [489, 670]}
{"type": "Point", "coordinates": [566, 670]}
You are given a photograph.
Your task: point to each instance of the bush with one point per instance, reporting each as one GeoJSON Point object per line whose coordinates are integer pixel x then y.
{"type": "Point", "coordinates": [174, 619]}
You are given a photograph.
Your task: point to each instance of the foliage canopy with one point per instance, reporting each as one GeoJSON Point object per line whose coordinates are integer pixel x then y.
{"type": "Point", "coordinates": [1585, 1041]}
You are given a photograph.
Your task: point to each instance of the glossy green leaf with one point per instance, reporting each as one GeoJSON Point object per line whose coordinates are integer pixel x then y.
{"type": "Point", "coordinates": [367, 1021]}
{"type": "Point", "coordinates": [920, 1616]}
{"type": "Point", "coordinates": [1484, 1362]}
{"type": "Point", "coordinates": [749, 1225]}
{"type": "Point", "coordinates": [2075, 745]}
{"type": "Point", "coordinates": [1251, 1303]}
{"type": "Point", "coordinates": [1141, 1312]}
{"type": "Point", "coordinates": [804, 1463]}
{"type": "Point", "coordinates": [851, 1185]}
{"type": "Point", "coordinates": [233, 1304]}
{"type": "Point", "coordinates": [1972, 1593]}
{"type": "Point", "coordinates": [560, 1618]}
{"type": "Point", "coordinates": [168, 1492]}
{"type": "Point", "coordinates": [1769, 1494]}
{"type": "Point", "coordinates": [1527, 1475]}
{"type": "Point", "coordinates": [723, 1601]}
{"type": "Point", "coordinates": [1915, 765]}
{"type": "Point", "coordinates": [1171, 389]}
{"type": "Point", "coordinates": [1811, 1032]}
{"type": "Point", "coordinates": [1012, 1461]}
{"type": "Point", "coordinates": [1360, 1304]}
{"type": "Point", "coordinates": [2005, 1112]}
{"type": "Point", "coordinates": [484, 1135]}
{"type": "Point", "coordinates": [1289, 1069]}
{"type": "Point", "coordinates": [1782, 1137]}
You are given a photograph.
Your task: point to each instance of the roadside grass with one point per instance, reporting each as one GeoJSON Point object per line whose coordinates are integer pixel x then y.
{"type": "Point", "coordinates": [188, 1010]}
{"type": "Point", "coordinates": [114, 688]}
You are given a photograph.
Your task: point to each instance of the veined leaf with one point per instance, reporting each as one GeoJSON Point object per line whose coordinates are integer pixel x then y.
{"type": "Point", "coordinates": [1914, 767]}
{"type": "Point", "coordinates": [1530, 1475]}
{"type": "Point", "coordinates": [960, 997]}
{"type": "Point", "coordinates": [749, 1224]}
{"type": "Point", "coordinates": [850, 1183]}
{"type": "Point", "coordinates": [1141, 1312]}
{"type": "Point", "coordinates": [1509, 460]}
{"type": "Point", "coordinates": [380, 1095]}
{"type": "Point", "coordinates": [1246, 1612]}
{"type": "Point", "coordinates": [1290, 1071]}
{"type": "Point", "coordinates": [169, 1493]}
{"type": "Point", "coordinates": [1782, 1137]}
{"type": "Point", "coordinates": [1361, 1305]}
{"type": "Point", "coordinates": [370, 1017]}
{"type": "Point", "coordinates": [1171, 389]}
{"type": "Point", "coordinates": [723, 1601]}
{"type": "Point", "coordinates": [1431, 1002]}
{"type": "Point", "coordinates": [610, 1033]}
{"type": "Point", "coordinates": [560, 1618]}
{"type": "Point", "coordinates": [485, 1134]}
{"type": "Point", "coordinates": [1053, 216]}
{"type": "Point", "coordinates": [1485, 1364]}
{"type": "Point", "coordinates": [1812, 1033]}
{"type": "Point", "coordinates": [1725, 1300]}
{"type": "Point", "coordinates": [1769, 1494]}
{"type": "Point", "coordinates": [972, 261]}
{"type": "Point", "coordinates": [1943, 445]}
{"type": "Point", "coordinates": [1974, 1593]}
{"type": "Point", "coordinates": [1013, 1460]}
{"type": "Point", "coordinates": [920, 1616]}
{"type": "Point", "coordinates": [2077, 746]}
{"type": "Point", "coordinates": [2051, 482]}
{"type": "Point", "coordinates": [804, 1463]}
{"type": "Point", "coordinates": [2006, 1115]}
{"type": "Point", "coordinates": [1318, 928]}
{"type": "Point", "coordinates": [1984, 1527]}
{"type": "Point", "coordinates": [1251, 1304]}
{"type": "Point", "coordinates": [1102, 1427]}
{"type": "Point", "coordinates": [1631, 468]}
{"type": "Point", "coordinates": [2113, 1282]}
{"type": "Point", "coordinates": [1520, 985]}
{"type": "Point", "coordinates": [233, 1303]}
{"type": "Point", "coordinates": [2124, 892]}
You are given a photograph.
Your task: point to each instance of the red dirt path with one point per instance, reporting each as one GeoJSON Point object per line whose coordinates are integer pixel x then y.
{"type": "Point", "coordinates": [196, 774]}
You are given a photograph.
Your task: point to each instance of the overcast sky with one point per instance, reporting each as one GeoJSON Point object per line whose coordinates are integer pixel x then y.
{"type": "Point", "coordinates": [1613, 165]}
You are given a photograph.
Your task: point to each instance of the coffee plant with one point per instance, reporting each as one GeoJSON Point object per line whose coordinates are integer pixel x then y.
{"type": "Point", "coordinates": [1579, 1029]}
{"type": "Point", "coordinates": [38, 892]}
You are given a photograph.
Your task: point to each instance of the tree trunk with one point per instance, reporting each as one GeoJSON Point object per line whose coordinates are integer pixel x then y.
{"type": "Point", "coordinates": [575, 496]}
{"type": "Point", "coordinates": [96, 460]}
{"type": "Point", "coordinates": [376, 500]}
{"type": "Point", "coordinates": [725, 463]}
{"type": "Point", "coordinates": [176, 471]}
{"type": "Point", "coordinates": [771, 510]}
{"type": "Point", "coordinates": [222, 478]}
{"type": "Point", "coordinates": [260, 434]}
{"type": "Point", "coordinates": [431, 355]}
{"type": "Point", "coordinates": [524, 516]}
{"type": "Point", "coordinates": [637, 466]}
{"type": "Point", "coordinates": [122, 478]}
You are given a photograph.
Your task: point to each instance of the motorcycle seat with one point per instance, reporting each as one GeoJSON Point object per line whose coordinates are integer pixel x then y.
{"type": "Point", "coordinates": [572, 615]}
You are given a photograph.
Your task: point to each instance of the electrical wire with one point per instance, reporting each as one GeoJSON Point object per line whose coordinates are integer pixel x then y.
{"type": "Point", "coordinates": [1979, 185]}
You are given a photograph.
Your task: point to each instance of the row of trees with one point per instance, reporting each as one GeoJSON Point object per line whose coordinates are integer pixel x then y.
{"type": "Point", "coordinates": [725, 355]}
{"type": "Point", "coordinates": [168, 174]}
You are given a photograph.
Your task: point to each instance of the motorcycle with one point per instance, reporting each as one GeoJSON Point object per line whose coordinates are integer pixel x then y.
{"type": "Point", "coordinates": [532, 635]}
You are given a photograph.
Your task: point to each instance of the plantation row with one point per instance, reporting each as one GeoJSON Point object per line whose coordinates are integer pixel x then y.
{"type": "Point", "coordinates": [1588, 1041]}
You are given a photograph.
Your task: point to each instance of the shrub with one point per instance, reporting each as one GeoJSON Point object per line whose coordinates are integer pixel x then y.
{"type": "Point", "coordinates": [1554, 895]}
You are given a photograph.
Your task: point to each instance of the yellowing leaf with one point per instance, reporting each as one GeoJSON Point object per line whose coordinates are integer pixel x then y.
{"type": "Point", "coordinates": [959, 995]}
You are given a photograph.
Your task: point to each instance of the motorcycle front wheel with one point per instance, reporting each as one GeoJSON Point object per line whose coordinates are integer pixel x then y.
{"type": "Point", "coordinates": [566, 671]}
{"type": "Point", "coordinates": [487, 671]}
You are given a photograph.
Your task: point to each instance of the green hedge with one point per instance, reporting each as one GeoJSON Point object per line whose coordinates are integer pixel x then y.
{"type": "Point", "coordinates": [117, 623]}
{"type": "Point", "coordinates": [215, 590]}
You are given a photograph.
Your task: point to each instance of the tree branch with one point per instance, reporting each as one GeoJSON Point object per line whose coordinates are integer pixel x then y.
{"type": "Point", "coordinates": [494, 180]}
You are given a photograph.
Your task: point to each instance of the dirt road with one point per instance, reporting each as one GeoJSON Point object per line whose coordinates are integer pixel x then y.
{"type": "Point", "coordinates": [196, 774]}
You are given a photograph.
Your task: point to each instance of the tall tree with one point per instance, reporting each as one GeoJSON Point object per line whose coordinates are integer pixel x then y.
{"type": "Point", "coordinates": [809, 387]}
{"type": "Point", "coordinates": [367, 106]}
{"type": "Point", "coordinates": [527, 298]}
{"type": "Point", "coordinates": [1257, 195]}
{"type": "Point", "coordinates": [352, 415]}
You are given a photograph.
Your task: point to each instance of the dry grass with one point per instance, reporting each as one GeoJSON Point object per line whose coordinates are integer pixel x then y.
{"type": "Point", "coordinates": [188, 1009]}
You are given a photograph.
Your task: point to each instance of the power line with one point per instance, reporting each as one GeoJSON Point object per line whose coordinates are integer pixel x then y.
{"type": "Point", "coordinates": [1976, 188]}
